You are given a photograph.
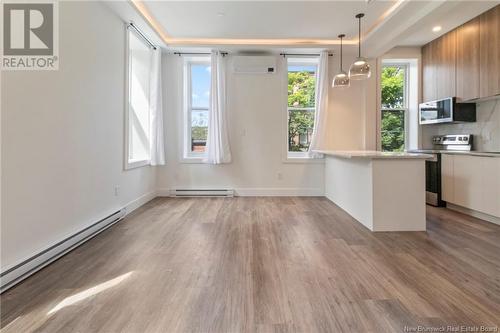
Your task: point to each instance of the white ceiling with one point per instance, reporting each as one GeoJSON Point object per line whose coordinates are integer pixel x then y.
{"type": "Point", "coordinates": [265, 19]}
{"type": "Point", "coordinates": [449, 15]}
{"type": "Point", "coordinates": [264, 25]}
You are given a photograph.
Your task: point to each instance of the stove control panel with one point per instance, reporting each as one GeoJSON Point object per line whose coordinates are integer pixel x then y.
{"type": "Point", "coordinates": [453, 141]}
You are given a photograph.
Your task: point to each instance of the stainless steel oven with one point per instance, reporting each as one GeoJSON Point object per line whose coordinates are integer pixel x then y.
{"type": "Point", "coordinates": [433, 180]}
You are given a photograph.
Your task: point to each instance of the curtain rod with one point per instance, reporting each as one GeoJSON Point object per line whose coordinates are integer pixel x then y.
{"type": "Point", "coordinates": [303, 54]}
{"type": "Point", "coordinates": [198, 53]}
{"type": "Point", "coordinates": [141, 34]}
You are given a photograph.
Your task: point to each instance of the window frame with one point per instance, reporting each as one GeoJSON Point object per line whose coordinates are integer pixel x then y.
{"type": "Point", "coordinates": [293, 156]}
{"type": "Point", "coordinates": [405, 107]}
{"type": "Point", "coordinates": [132, 163]}
{"type": "Point", "coordinates": [188, 156]}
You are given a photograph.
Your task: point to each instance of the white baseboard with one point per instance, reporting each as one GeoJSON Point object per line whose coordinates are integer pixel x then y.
{"type": "Point", "coordinates": [16, 273]}
{"type": "Point", "coordinates": [21, 271]}
{"type": "Point", "coordinates": [264, 192]}
{"type": "Point", "coordinates": [143, 199]}
{"type": "Point", "coordinates": [279, 192]}
{"type": "Point", "coordinates": [474, 213]}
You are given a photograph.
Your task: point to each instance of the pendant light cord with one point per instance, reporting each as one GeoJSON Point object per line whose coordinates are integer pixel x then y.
{"type": "Point", "coordinates": [341, 36]}
{"type": "Point", "coordinates": [359, 16]}
{"type": "Point", "coordinates": [341, 69]}
{"type": "Point", "coordinates": [359, 38]}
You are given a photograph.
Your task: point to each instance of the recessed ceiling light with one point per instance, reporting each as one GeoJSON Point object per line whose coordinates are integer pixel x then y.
{"type": "Point", "coordinates": [437, 28]}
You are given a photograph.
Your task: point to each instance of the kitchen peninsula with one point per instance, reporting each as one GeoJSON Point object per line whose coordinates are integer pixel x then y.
{"type": "Point", "coordinates": [384, 191]}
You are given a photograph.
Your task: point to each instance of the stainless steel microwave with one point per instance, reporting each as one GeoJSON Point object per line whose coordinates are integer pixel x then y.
{"type": "Point", "coordinates": [446, 110]}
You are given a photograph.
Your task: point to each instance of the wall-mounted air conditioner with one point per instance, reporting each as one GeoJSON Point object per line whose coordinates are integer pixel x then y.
{"type": "Point", "coordinates": [254, 64]}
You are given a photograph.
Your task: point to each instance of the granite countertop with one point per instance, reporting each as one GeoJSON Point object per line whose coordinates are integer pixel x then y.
{"type": "Point", "coordinates": [457, 152]}
{"type": "Point", "coordinates": [372, 154]}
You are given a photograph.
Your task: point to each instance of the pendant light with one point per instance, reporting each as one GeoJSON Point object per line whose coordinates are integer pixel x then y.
{"type": "Point", "coordinates": [360, 69]}
{"type": "Point", "coordinates": [341, 80]}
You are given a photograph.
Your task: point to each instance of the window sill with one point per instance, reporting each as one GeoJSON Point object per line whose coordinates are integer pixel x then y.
{"type": "Point", "coordinates": [191, 160]}
{"type": "Point", "coordinates": [136, 164]}
{"type": "Point", "coordinates": [303, 160]}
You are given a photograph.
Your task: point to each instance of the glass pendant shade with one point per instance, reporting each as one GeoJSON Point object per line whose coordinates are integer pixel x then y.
{"type": "Point", "coordinates": [341, 80]}
{"type": "Point", "coordinates": [360, 69]}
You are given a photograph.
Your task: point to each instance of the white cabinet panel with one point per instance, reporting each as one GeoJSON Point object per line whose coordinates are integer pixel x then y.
{"type": "Point", "coordinates": [447, 178]}
{"type": "Point", "coordinates": [491, 186]}
{"type": "Point", "coordinates": [467, 181]}
{"type": "Point", "coordinates": [472, 182]}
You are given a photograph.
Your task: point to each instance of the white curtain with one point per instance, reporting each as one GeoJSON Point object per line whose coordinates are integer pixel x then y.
{"type": "Point", "coordinates": [218, 150]}
{"type": "Point", "coordinates": [322, 86]}
{"type": "Point", "coordinates": [156, 145]}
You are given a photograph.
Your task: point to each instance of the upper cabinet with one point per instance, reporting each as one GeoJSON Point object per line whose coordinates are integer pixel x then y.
{"type": "Point", "coordinates": [467, 79]}
{"type": "Point", "coordinates": [446, 60]}
{"type": "Point", "coordinates": [439, 73]}
{"type": "Point", "coordinates": [465, 62]}
{"type": "Point", "coordinates": [429, 73]}
{"type": "Point", "coordinates": [489, 31]}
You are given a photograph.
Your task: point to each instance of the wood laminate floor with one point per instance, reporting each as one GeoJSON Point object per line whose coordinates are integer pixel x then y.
{"type": "Point", "coordinates": [264, 265]}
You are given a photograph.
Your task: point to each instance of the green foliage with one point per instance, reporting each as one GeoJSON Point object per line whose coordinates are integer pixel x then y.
{"type": "Point", "coordinates": [301, 94]}
{"type": "Point", "coordinates": [392, 85]}
{"type": "Point", "coordinates": [301, 87]}
{"type": "Point", "coordinates": [393, 130]}
{"type": "Point", "coordinates": [299, 123]}
{"type": "Point", "coordinates": [199, 133]}
{"type": "Point", "coordinates": [392, 91]}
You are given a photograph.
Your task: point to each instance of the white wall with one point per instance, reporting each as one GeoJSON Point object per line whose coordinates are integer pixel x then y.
{"type": "Point", "coordinates": [62, 137]}
{"type": "Point", "coordinates": [256, 111]}
{"type": "Point", "coordinates": [352, 111]}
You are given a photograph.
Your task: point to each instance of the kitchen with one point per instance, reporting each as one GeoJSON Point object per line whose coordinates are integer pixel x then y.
{"type": "Point", "coordinates": [455, 129]}
{"type": "Point", "coordinates": [460, 117]}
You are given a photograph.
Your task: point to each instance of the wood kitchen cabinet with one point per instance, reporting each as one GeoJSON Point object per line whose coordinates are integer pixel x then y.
{"type": "Point", "coordinates": [445, 65]}
{"type": "Point", "coordinates": [472, 182]}
{"type": "Point", "coordinates": [489, 31]}
{"type": "Point", "coordinates": [429, 72]}
{"type": "Point", "coordinates": [438, 59]}
{"type": "Point", "coordinates": [467, 61]}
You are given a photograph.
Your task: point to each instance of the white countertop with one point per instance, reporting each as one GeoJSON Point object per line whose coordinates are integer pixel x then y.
{"type": "Point", "coordinates": [458, 152]}
{"type": "Point", "coordinates": [372, 154]}
{"type": "Point", "coordinates": [471, 153]}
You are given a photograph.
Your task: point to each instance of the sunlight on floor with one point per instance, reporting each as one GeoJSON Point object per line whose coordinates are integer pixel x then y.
{"type": "Point", "coordinates": [89, 292]}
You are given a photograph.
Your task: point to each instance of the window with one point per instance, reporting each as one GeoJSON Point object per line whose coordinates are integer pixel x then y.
{"type": "Point", "coordinates": [197, 96]}
{"type": "Point", "coordinates": [301, 77]}
{"type": "Point", "coordinates": [394, 107]}
{"type": "Point", "coordinates": [137, 119]}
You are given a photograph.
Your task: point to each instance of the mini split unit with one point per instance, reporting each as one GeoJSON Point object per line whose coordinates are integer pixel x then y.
{"type": "Point", "coordinates": [254, 65]}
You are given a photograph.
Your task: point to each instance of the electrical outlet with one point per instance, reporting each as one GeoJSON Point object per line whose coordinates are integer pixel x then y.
{"type": "Point", "coordinates": [117, 190]}
{"type": "Point", "coordinates": [280, 176]}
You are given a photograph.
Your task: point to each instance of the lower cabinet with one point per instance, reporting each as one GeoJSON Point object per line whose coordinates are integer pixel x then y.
{"type": "Point", "coordinates": [472, 182]}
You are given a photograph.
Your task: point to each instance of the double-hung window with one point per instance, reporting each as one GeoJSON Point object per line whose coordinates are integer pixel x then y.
{"type": "Point", "coordinates": [137, 119]}
{"type": "Point", "coordinates": [196, 100]}
{"type": "Point", "coordinates": [301, 106]}
{"type": "Point", "coordinates": [394, 111]}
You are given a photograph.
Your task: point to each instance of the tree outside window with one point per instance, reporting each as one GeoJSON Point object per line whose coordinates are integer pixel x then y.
{"type": "Point", "coordinates": [394, 107]}
{"type": "Point", "coordinates": [301, 106]}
